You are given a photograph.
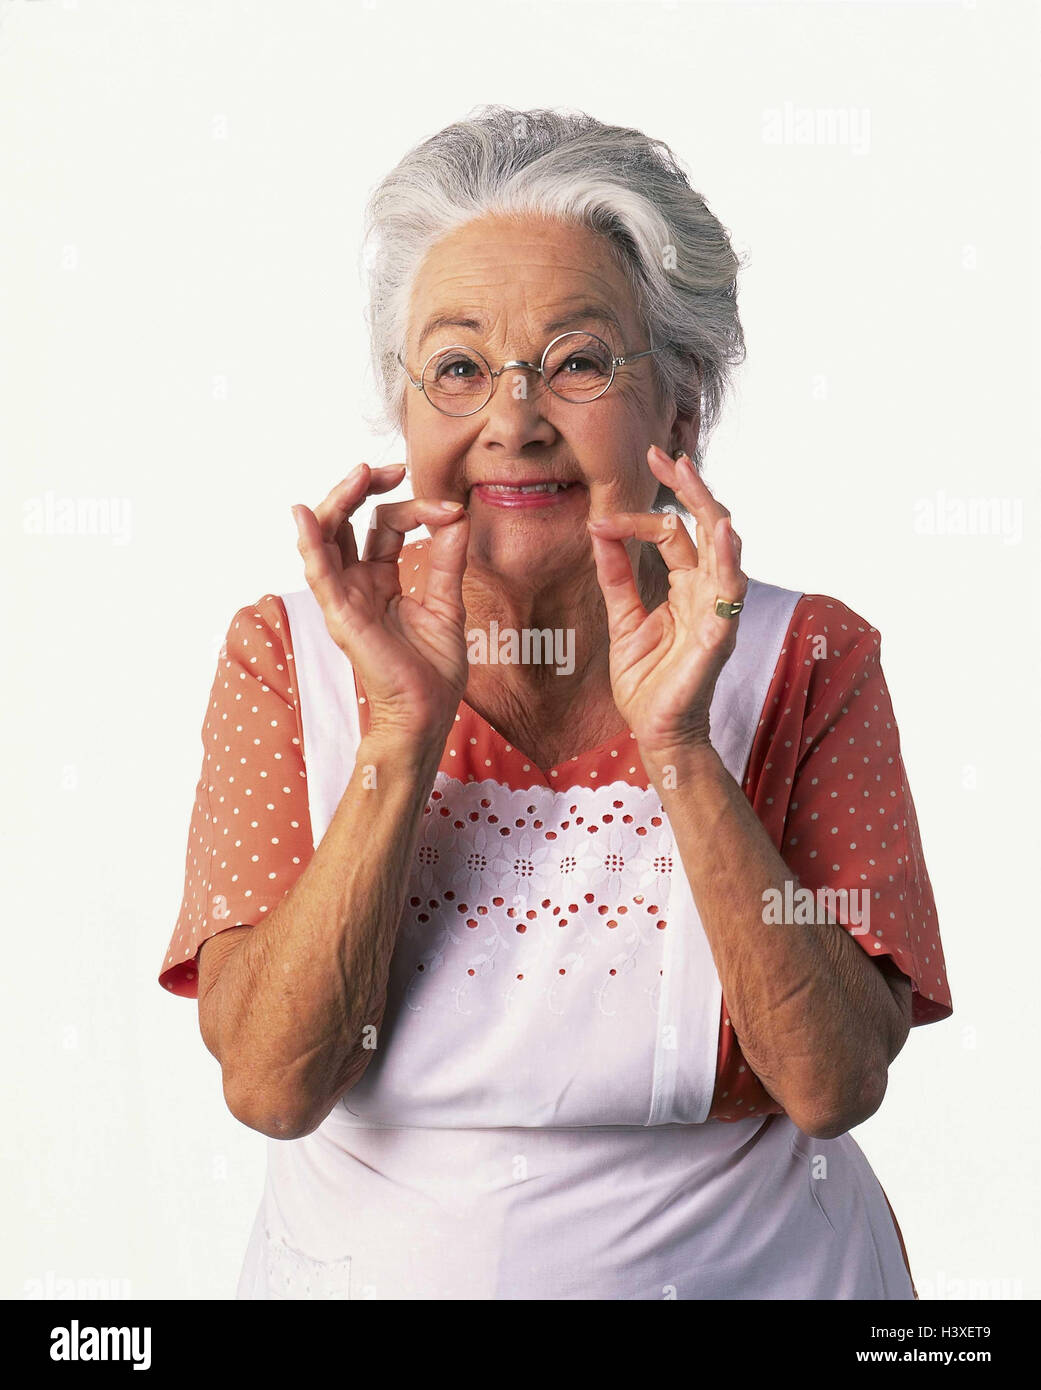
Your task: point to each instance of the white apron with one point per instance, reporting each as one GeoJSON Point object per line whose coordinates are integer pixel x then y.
{"type": "Point", "coordinates": [533, 1123]}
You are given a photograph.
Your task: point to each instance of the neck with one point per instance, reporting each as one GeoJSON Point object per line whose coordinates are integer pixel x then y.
{"type": "Point", "coordinates": [533, 650]}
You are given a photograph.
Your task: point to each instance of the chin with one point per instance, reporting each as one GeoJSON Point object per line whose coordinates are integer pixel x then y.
{"type": "Point", "coordinates": [522, 556]}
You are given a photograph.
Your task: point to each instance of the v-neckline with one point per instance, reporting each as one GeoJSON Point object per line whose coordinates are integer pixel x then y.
{"type": "Point", "coordinates": [597, 749]}
{"type": "Point", "coordinates": [606, 757]}
{"type": "Point", "coordinates": [614, 759]}
{"type": "Point", "coordinates": [592, 762]}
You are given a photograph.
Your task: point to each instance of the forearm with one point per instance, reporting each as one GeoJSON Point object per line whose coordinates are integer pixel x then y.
{"type": "Point", "coordinates": [815, 1018]}
{"type": "Point", "coordinates": [302, 1000]}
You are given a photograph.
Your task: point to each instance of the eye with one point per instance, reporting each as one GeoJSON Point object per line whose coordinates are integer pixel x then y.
{"type": "Point", "coordinates": [456, 368]}
{"type": "Point", "coordinates": [581, 362]}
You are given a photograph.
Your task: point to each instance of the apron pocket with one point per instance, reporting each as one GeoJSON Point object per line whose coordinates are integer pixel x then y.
{"type": "Point", "coordinates": [293, 1274]}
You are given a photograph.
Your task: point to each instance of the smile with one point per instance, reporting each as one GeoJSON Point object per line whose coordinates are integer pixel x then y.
{"type": "Point", "coordinates": [529, 494]}
{"type": "Point", "coordinates": [526, 487]}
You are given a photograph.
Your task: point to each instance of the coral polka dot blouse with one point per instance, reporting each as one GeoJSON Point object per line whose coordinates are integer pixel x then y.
{"type": "Point", "coordinates": [535, 989]}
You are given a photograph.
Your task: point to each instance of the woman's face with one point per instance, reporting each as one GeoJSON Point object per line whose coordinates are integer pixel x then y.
{"type": "Point", "coordinates": [518, 284]}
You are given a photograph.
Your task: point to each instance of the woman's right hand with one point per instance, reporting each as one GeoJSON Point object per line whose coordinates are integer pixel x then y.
{"type": "Point", "coordinates": [410, 655]}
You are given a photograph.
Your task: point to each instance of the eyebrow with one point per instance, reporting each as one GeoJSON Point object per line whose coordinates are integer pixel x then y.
{"type": "Point", "coordinates": [589, 311]}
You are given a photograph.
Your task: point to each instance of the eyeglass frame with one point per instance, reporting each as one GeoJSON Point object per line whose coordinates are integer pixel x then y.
{"type": "Point", "coordinates": [616, 362]}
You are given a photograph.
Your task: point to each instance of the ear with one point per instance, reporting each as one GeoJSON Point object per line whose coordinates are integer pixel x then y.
{"type": "Point", "coordinates": [685, 432]}
{"type": "Point", "coordinates": [686, 427]}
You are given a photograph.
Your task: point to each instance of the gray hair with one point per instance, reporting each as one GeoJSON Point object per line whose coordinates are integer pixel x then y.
{"type": "Point", "coordinates": [567, 165]}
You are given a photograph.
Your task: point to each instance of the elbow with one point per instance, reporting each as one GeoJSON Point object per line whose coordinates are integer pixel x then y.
{"type": "Point", "coordinates": [279, 1125]}
{"type": "Point", "coordinates": [287, 1111]}
{"type": "Point", "coordinates": [830, 1115]}
{"type": "Point", "coordinates": [274, 1117]}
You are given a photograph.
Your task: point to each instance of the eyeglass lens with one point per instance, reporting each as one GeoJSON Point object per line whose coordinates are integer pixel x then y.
{"type": "Point", "coordinates": [578, 367]}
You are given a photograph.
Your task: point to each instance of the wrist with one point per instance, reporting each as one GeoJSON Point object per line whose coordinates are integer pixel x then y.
{"type": "Point", "coordinates": [403, 751]}
{"type": "Point", "coordinates": [675, 765]}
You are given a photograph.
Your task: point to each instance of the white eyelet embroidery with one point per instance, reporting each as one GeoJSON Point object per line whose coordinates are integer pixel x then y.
{"type": "Point", "coordinates": [535, 882]}
{"type": "Point", "coordinates": [526, 979]}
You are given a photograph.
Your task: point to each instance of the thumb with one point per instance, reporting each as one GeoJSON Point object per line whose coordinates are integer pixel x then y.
{"type": "Point", "coordinates": [446, 564]}
{"type": "Point", "coordinates": [614, 572]}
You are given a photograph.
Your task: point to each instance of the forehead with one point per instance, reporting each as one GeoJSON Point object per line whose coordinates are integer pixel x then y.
{"type": "Point", "coordinates": [499, 273]}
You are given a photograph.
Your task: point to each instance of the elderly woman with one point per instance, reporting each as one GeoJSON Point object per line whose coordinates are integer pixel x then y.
{"type": "Point", "coordinates": [554, 895]}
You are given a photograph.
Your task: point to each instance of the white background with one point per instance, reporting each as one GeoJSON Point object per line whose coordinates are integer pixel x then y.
{"type": "Point", "coordinates": [181, 190]}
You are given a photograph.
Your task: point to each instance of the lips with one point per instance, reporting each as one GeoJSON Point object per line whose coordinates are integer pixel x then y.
{"type": "Point", "coordinates": [522, 487]}
{"type": "Point", "coordinates": [527, 492]}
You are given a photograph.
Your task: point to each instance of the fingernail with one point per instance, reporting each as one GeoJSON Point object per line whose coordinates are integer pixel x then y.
{"type": "Point", "coordinates": [661, 454]}
{"type": "Point", "coordinates": [296, 518]}
{"type": "Point", "coordinates": [449, 506]}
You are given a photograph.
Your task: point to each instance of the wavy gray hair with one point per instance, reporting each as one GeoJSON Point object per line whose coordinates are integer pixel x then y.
{"type": "Point", "coordinates": [567, 165]}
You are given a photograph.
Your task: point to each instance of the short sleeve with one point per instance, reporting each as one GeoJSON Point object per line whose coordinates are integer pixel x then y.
{"type": "Point", "coordinates": [250, 833]}
{"type": "Point", "coordinates": [827, 780]}
{"type": "Point", "coordinates": [850, 820]}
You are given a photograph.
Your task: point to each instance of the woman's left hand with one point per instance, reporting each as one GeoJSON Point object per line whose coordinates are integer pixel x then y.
{"type": "Point", "coordinates": [665, 664]}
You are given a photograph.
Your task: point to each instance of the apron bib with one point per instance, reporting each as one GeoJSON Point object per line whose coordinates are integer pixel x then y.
{"type": "Point", "coordinates": [496, 1036]}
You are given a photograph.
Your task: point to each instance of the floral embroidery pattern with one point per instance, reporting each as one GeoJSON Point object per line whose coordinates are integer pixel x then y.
{"type": "Point", "coordinates": [540, 889]}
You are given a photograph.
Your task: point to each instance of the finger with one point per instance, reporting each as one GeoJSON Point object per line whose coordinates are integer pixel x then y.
{"type": "Point", "coordinates": [346, 497]}
{"type": "Point", "coordinates": [323, 579]}
{"type": "Point", "coordinates": [446, 564]}
{"type": "Point", "coordinates": [392, 520]}
{"type": "Point", "coordinates": [614, 572]}
{"type": "Point", "coordinates": [732, 582]}
{"type": "Point", "coordinates": [692, 490]}
{"type": "Point", "coordinates": [663, 529]}
{"type": "Point", "coordinates": [681, 475]}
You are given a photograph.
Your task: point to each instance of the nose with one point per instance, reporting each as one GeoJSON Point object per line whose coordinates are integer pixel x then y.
{"type": "Point", "coordinates": [514, 416]}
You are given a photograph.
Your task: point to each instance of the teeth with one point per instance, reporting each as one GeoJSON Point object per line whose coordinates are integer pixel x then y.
{"type": "Point", "coordinates": [530, 487]}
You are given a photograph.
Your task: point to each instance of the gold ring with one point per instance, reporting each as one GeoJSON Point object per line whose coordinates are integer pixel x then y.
{"type": "Point", "coordinates": [724, 609]}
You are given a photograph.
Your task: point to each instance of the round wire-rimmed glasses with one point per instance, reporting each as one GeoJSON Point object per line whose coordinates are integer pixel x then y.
{"type": "Point", "coordinates": [576, 366]}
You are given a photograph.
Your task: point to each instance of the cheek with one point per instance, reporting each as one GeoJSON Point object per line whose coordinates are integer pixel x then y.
{"type": "Point", "coordinates": [616, 451]}
{"type": "Point", "coordinates": [617, 469]}
{"type": "Point", "coordinates": [609, 451]}
{"type": "Point", "coordinates": [433, 457]}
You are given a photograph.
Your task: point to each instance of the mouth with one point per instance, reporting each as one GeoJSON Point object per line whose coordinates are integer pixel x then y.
{"type": "Point", "coordinates": [533, 493]}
